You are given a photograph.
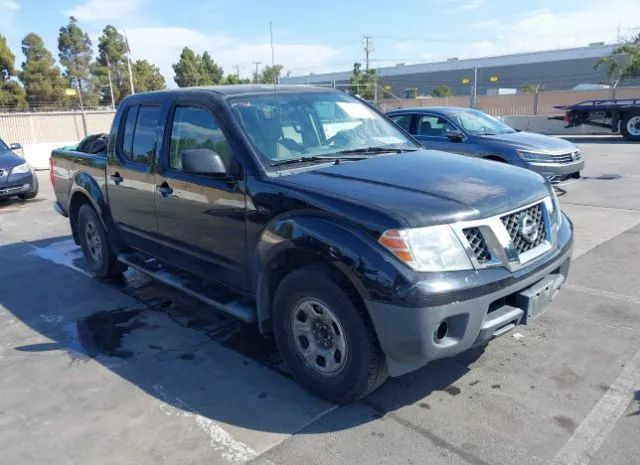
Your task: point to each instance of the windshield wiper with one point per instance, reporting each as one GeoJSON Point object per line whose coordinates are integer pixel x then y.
{"type": "Point", "coordinates": [312, 158]}
{"type": "Point", "coordinates": [377, 149]}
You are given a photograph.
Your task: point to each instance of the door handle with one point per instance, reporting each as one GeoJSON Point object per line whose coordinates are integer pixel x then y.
{"type": "Point", "coordinates": [164, 190]}
{"type": "Point", "coordinates": [116, 178]}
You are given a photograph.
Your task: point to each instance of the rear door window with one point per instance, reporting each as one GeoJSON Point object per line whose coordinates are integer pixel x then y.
{"type": "Point", "coordinates": [404, 121]}
{"type": "Point", "coordinates": [144, 137]}
{"type": "Point", "coordinates": [138, 139]}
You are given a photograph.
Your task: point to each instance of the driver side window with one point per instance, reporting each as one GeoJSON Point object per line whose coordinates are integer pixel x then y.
{"type": "Point", "coordinates": [196, 128]}
{"type": "Point", "coordinates": [433, 126]}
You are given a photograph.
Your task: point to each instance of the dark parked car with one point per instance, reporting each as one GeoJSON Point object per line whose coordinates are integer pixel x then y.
{"type": "Point", "coordinates": [309, 213]}
{"type": "Point", "coordinates": [16, 176]}
{"type": "Point", "coordinates": [477, 134]}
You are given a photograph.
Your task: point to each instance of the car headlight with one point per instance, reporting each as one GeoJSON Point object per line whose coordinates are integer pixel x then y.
{"type": "Point", "coordinates": [21, 169]}
{"type": "Point", "coordinates": [433, 248]}
{"type": "Point", "coordinates": [553, 206]}
{"type": "Point", "coordinates": [534, 156]}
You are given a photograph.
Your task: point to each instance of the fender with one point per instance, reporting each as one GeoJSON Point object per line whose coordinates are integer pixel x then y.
{"type": "Point", "coordinates": [86, 185]}
{"type": "Point", "coordinates": [371, 270]}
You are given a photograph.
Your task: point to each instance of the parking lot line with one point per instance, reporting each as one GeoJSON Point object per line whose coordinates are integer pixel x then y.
{"type": "Point", "coordinates": [596, 427]}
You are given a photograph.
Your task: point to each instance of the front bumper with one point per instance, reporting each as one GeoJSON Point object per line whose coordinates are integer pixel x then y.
{"type": "Point", "coordinates": [15, 185]}
{"type": "Point", "coordinates": [550, 170]}
{"type": "Point", "coordinates": [474, 313]}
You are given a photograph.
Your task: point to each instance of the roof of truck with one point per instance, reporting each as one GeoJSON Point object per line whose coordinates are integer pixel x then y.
{"type": "Point", "coordinates": [244, 89]}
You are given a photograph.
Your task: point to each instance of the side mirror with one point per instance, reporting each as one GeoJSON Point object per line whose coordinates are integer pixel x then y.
{"type": "Point", "coordinates": [202, 161]}
{"type": "Point", "coordinates": [455, 135]}
{"type": "Point", "coordinates": [15, 146]}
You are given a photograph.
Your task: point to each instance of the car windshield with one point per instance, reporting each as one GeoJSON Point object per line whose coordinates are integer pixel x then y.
{"type": "Point", "coordinates": [305, 126]}
{"type": "Point", "coordinates": [480, 124]}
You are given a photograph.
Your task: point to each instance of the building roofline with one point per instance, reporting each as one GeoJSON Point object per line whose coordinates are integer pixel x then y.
{"type": "Point", "coordinates": [593, 51]}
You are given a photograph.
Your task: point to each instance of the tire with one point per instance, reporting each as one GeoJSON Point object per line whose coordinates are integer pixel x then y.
{"type": "Point", "coordinates": [31, 195]}
{"type": "Point", "coordinates": [95, 244]}
{"type": "Point", "coordinates": [335, 326]}
{"type": "Point", "coordinates": [630, 126]}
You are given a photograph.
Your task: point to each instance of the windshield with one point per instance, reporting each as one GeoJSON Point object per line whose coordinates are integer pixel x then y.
{"type": "Point", "coordinates": [480, 124]}
{"type": "Point", "coordinates": [308, 126]}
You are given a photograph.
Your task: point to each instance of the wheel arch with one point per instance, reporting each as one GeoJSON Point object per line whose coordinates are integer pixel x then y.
{"type": "Point", "coordinates": [85, 190]}
{"type": "Point", "coordinates": [292, 242]}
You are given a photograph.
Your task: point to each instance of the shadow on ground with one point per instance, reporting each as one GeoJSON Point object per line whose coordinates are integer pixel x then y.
{"type": "Point", "coordinates": [612, 139]}
{"type": "Point", "coordinates": [169, 345]}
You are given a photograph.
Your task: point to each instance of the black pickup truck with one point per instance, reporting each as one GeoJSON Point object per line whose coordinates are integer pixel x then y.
{"type": "Point", "coordinates": [310, 213]}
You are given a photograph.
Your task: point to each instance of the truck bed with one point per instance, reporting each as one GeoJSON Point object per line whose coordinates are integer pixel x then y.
{"type": "Point", "coordinates": [67, 164]}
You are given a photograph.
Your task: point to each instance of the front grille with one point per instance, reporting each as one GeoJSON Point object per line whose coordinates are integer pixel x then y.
{"type": "Point", "coordinates": [514, 223]}
{"type": "Point", "coordinates": [478, 244]}
{"type": "Point", "coordinates": [569, 157]}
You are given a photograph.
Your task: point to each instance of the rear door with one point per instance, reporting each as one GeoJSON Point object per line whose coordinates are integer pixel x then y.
{"type": "Point", "coordinates": [130, 175]}
{"type": "Point", "coordinates": [201, 222]}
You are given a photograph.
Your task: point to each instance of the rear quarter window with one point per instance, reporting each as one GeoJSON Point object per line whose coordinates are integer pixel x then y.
{"type": "Point", "coordinates": [138, 140]}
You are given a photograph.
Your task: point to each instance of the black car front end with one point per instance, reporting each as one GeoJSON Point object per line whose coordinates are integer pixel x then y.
{"type": "Point", "coordinates": [513, 281]}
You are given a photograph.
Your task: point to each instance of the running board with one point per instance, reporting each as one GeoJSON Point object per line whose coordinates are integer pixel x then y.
{"type": "Point", "coordinates": [224, 301]}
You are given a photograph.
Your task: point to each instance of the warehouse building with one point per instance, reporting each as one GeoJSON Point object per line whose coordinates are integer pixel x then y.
{"type": "Point", "coordinates": [551, 70]}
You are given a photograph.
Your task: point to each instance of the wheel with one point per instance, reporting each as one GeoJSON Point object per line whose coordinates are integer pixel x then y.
{"type": "Point", "coordinates": [630, 126]}
{"type": "Point", "coordinates": [325, 337]}
{"type": "Point", "coordinates": [31, 195]}
{"type": "Point", "coordinates": [95, 245]}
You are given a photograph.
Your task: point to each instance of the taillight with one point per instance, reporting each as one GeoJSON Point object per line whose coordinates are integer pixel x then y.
{"type": "Point", "coordinates": [51, 171]}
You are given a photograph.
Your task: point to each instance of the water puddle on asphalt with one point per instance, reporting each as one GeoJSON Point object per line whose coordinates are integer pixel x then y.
{"type": "Point", "coordinates": [102, 333]}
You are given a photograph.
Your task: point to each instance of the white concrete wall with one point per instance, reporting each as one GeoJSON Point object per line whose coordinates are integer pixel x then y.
{"type": "Point", "coordinates": [38, 154]}
{"type": "Point", "coordinates": [543, 125]}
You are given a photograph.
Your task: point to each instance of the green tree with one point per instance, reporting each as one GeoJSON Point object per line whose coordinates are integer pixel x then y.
{"type": "Point", "coordinates": [111, 59]}
{"type": "Point", "coordinates": [231, 79]}
{"type": "Point", "coordinates": [529, 88]}
{"type": "Point", "coordinates": [40, 76]}
{"type": "Point", "coordinates": [269, 74]}
{"type": "Point", "coordinates": [624, 61]}
{"type": "Point", "coordinates": [441, 91]}
{"type": "Point", "coordinates": [12, 95]}
{"type": "Point", "coordinates": [187, 69]}
{"type": "Point", "coordinates": [363, 83]}
{"type": "Point", "coordinates": [74, 51]}
{"type": "Point", "coordinates": [210, 72]}
{"type": "Point", "coordinates": [147, 77]}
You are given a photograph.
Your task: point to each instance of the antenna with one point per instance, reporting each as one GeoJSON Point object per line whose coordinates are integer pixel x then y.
{"type": "Point", "coordinates": [273, 59]}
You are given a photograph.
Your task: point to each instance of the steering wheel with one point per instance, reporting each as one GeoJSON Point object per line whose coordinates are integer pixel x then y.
{"type": "Point", "coordinates": [338, 140]}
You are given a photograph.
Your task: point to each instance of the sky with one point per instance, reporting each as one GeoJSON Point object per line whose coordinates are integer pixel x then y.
{"type": "Point", "coordinates": [322, 36]}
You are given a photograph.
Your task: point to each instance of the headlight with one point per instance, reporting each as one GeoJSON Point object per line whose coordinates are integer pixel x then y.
{"type": "Point", "coordinates": [534, 156]}
{"type": "Point", "coordinates": [21, 169]}
{"type": "Point", "coordinates": [554, 209]}
{"type": "Point", "coordinates": [434, 248]}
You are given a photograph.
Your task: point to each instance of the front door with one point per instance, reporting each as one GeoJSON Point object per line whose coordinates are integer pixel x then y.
{"type": "Point", "coordinates": [130, 178]}
{"type": "Point", "coordinates": [201, 219]}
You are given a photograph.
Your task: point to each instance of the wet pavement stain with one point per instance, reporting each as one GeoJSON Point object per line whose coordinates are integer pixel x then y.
{"type": "Point", "coordinates": [186, 356]}
{"type": "Point", "coordinates": [424, 405]}
{"type": "Point", "coordinates": [452, 390]}
{"type": "Point", "coordinates": [565, 423]}
{"type": "Point", "coordinates": [102, 333]}
{"type": "Point", "coordinates": [603, 177]}
{"type": "Point", "coordinates": [496, 386]}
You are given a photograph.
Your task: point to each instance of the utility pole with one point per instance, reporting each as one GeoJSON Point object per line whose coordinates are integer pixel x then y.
{"type": "Point", "coordinates": [368, 48]}
{"type": "Point", "coordinates": [126, 41]}
{"type": "Point", "coordinates": [474, 89]}
{"type": "Point", "coordinates": [255, 76]}
{"type": "Point", "coordinates": [237, 68]}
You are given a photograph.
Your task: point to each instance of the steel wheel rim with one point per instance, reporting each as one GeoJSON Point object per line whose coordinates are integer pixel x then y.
{"type": "Point", "coordinates": [318, 337]}
{"type": "Point", "coordinates": [94, 242]}
{"type": "Point", "coordinates": [633, 126]}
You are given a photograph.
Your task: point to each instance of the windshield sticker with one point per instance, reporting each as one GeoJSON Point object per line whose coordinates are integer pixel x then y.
{"type": "Point", "coordinates": [356, 110]}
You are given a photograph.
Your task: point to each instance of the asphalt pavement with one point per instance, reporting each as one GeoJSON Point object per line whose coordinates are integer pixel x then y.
{"type": "Point", "coordinates": [130, 372]}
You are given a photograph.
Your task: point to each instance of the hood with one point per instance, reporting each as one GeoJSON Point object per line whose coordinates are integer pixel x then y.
{"type": "Point", "coordinates": [531, 141]}
{"type": "Point", "coordinates": [428, 187]}
{"type": "Point", "coordinates": [10, 160]}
